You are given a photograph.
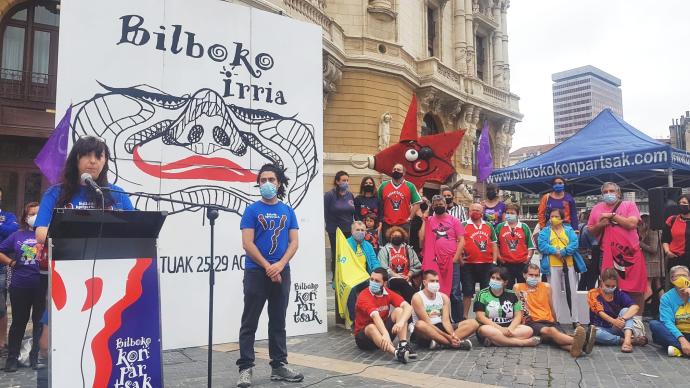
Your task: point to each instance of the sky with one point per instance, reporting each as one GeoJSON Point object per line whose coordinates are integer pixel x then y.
{"type": "Point", "coordinates": [644, 43]}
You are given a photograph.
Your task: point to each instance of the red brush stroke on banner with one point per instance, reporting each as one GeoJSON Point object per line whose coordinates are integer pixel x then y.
{"type": "Point", "coordinates": [94, 289]}
{"type": "Point", "coordinates": [113, 321]}
{"type": "Point", "coordinates": [59, 292]}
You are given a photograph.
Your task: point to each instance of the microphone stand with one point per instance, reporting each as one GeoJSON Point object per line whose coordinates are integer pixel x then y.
{"type": "Point", "coordinates": [212, 213]}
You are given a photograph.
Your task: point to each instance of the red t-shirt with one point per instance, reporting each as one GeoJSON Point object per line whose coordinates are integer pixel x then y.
{"type": "Point", "coordinates": [679, 235]}
{"type": "Point", "coordinates": [398, 260]}
{"type": "Point", "coordinates": [513, 243]}
{"type": "Point", "coordinates": [478, 243]}
{"type": "Point", "coordinates": [368, 303]}
{"type": "Point", "coordinates": [397, 201]}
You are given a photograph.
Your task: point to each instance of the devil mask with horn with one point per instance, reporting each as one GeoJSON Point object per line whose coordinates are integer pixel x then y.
{"type": "Point", "coordinates": [425, 158]}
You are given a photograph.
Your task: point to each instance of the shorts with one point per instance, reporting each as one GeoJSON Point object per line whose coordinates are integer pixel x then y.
{"type": "Point", "coordinates": [538, 325]}
{"type": "Point", "coordinates": [471, 274]}
{"type": "Point", "coordinates": [3, 294]}
{"type": "Point", "coordinates": [365, 343]}
{"type": "Point", "coordinates": [424, 342]}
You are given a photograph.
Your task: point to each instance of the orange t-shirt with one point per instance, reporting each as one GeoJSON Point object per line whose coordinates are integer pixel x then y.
{"type": "Point", "coordinates": [535, 301]}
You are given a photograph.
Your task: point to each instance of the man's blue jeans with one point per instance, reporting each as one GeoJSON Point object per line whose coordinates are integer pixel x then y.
{"type": "Point", "coordinates": [258, 288]}
{"type": "Point", "coordinates": [662, 336]}
{"type": "Point", "coordinates": [456, 308]}
{"type": "Point", "coordinates": [613, 335]}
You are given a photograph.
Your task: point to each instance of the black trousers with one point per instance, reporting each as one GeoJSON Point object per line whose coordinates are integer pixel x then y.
{"type": "Point", "coordinates": [588, 280]}
{"type": "Point", "coordinates": [514, 273]}
{"type": "Point", "coordinates": [26, 302]}
{"type": "Point", "coordinates": [258, 288]}
{"type": "Point", "coordinates": [401, 287]}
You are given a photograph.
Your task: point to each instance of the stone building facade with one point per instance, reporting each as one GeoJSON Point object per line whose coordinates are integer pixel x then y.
{"type": "Point", "coordinates": [453, 54]}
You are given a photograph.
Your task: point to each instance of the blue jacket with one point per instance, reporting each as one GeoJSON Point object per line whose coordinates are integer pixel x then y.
{"type": "Point", "coordinates": [369, 254]}
{"type": "Point", "coordinates": [8, 224]}
{"type": "Point", "coordinates": [546, 249]}
{"type": "Point", "coordinates": [668, 305]}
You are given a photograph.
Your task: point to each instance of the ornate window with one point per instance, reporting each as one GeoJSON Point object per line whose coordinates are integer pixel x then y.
{"type": "Point", "coordinates": [29, 46]}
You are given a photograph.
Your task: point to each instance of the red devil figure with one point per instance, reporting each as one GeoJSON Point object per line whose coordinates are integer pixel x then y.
{"type": "Point", "coordinates": [426, 158]}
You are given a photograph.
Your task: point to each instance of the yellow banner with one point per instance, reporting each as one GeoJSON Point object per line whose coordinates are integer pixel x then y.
{"type": "Point", "coordinates": [350, 270]}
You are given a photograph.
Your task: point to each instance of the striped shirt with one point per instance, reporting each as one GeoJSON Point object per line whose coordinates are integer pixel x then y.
{"type": "Point", "coordinates": [459, 212]}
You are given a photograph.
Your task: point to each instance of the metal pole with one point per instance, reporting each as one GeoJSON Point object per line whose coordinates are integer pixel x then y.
{"type": "Point", "coordinates": [211, 214]}
{"type": "Point", "coordinates": [670, 177]}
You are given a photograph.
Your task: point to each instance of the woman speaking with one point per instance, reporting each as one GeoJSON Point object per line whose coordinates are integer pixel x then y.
{"type": "Point", "coordinates": [88, 155]}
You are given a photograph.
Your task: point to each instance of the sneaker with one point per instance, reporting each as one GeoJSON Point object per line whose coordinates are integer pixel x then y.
{"type": "Point", "coordinates": [674, 352]}
{"type": "Point", "coordinates": [590, 339]}
{"type": "Point", "coordinates": [640, 341]}
{"type": "Point", "coordinates": [433, 345]}
{"type": "Point", "coordinates": [245, 380]}
{"type": "Point", "coordinates": [285, 373]}
{"type": "Point", "coordinates": [408, 347]}
{"type": "Point", "coordinates": [536, 340]}
{"type": "Point", "coordinates": [578, 342]}
{"type": "Point", "coordinates": [402, 355]}
{"type": "Point", "coordinates": [11, 365]}
{"type": "Point", "coordinates": [465, 345]}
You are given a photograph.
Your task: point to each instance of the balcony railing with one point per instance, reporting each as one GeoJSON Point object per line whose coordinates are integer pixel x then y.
{"type": "Point", "coordinates": [27, 86]}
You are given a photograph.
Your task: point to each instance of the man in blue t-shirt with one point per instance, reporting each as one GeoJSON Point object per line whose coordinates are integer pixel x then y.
{"type": "Point", "coordinates": [270, 238]}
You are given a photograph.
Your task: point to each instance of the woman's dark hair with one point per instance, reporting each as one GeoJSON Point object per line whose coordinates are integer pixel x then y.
{"type": "Point", "coordinates": [338, 175]}
{"type": "Point", "coordinates": [280, 176]}
{"type": "Point", "coordinates": [560, 213]}
{"type": "Point", "coordinates": [553, 181]}
{"type": "Point", "coordinates": [71, 181]}
{"type": "Point", "coordinates": [501, 271]}
{"type": "Point", "coordinates": [492, 186]}
{"type": "Point", "coordinates": [686, 196]}
{"type": "Point", "coordinates": [364, 181]}
{"type": "Point", "coordinates": [23, 225]}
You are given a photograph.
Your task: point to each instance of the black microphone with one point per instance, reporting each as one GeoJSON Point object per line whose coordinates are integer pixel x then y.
{"type": "Point", "coordinates": [86, 178]}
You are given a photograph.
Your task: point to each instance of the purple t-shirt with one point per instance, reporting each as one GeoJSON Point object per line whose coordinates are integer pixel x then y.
{"type": "Point", "coordinates": [21, 246]}
{"type": "Point", "coordinates": [612, 308]}
{"type": "Point", "coordinates": [339, 211]}
{"type": "Point", "coordinates": [494, 215]}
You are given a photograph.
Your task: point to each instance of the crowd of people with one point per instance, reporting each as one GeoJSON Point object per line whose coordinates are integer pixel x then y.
{"type": "Point", "coordinates": [439, 260]}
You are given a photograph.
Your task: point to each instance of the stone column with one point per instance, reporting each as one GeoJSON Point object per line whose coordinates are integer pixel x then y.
{"type": "Point", "coordinates": [497, 41]}
{"type": "Point", "coordinates": [460, 37]}
{"type": "Point", "coordinates": [504, 29]}
{"type": "Point", "coordinates": [469, 38]}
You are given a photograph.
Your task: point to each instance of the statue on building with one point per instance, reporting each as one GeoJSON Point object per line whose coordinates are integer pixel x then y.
{"type": "Point", "coordinates": [467, 147]}
{"type": "Point", "coordinates": [385, 131]}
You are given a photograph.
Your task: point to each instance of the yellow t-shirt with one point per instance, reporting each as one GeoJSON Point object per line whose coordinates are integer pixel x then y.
{"type": "Point", "coordinates": [559, 240]}
{"type": "Point", "coordinates": [683, 318]}
{"type": "Point", "coordinates": [360, 256]}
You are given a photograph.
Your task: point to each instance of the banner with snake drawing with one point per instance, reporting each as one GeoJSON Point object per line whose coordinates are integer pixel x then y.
{"type": "Point", "coordinates": [193, 97]}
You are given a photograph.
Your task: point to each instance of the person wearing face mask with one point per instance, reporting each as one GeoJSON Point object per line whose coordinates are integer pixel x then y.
{"type": "Point", "coordinates": [493, 206]}
{"type": "Point", "coordinates": [561, 261]}
{"type": "Point", "coordinates": [431, 318]}
{"type": "Point", "coordinates": [672, 330]}
{"type": "Point", "coordinates": [363, 250]}
{"type": "Point", "coordinates": [339, 211]}
{"type": "Point", "coordinates": [456, 210]}
{"type": "Point", "coordinates": [480, 254]}
{"type": "Point", "coordinates": [401, 261]}
{"type": "Point", "coordinates": [270, 238]}
{"type": "Point", "coordinates": [367, 203]}
{"type": "Point", "coordinates": [416, 225]}
{"type": "Point", "coordinates": [558, 198]}
{"type": "Point", "coordinates": [400, 200]}
{"type": "Point", "coordinates": [377, 324]}
{"type": "Point", "coordinates": [537, 305]}
{"type": "Point", "coordinates": [674, 235]}
{"type": "Point", "coordinates": [28, 288]}
{"type": "Point", "coordinates": [612, 311]}
{"type": "Point", "coordinates": [8, 225]}
{"type": "Point", "coordinates": [442, 237]}
{"type": "Point", "coordinates": [499, 313]}
{"type": "Point", "coordinates": [614, 223]}
{"type": "Point", "coordinates": [515, 246]}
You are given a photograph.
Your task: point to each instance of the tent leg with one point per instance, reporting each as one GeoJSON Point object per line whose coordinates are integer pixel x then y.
{"type": "Point", "coordinates": [670, 177]}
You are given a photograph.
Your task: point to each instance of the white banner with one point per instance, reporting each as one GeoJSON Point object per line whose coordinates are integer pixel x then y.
{"type": "Point", "coordinates": [193, 97]}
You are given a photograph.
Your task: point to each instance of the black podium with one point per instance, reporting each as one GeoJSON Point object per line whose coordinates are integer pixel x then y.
{"type": "Point", "coordinates": [105, 303]}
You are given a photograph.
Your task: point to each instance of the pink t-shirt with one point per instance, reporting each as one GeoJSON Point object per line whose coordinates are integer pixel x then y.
{"type": "Point", "coordinates": [444, 232]}
{"type": "Point", "coordinates": [621, 247]}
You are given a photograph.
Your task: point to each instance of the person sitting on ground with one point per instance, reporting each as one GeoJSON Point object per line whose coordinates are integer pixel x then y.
{"type": "Point", "coordinates": [672, 330]}
{"type": "Point", "coordinates": [362, 248]}
{"type": "Point", "coordinates": [401, 261]}
{"type": "Point", "coordinates": [537, 306]}
{"type": "Point", "coordinates": [611, 311]}
{"type": "Point", "coordinates": [499, 312]}
{"type": "Point", "coordinates": [431, 318]}
{"type": "Point", "coordinates": [376, 324]}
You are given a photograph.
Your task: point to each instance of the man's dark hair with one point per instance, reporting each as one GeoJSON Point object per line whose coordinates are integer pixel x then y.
{"type": "Point", "coordinates": [501, 271]}
{"type": "Point", "coordinates": [429, 272]}
{"type": "Point", "coordinates": [383, 272]}
{"type": "Point", "coordinates": [280, 176]}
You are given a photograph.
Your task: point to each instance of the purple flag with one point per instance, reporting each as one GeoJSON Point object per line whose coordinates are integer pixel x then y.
{"type": "Point", "coordinates": [485, 162]}
{"type": "Point", "coordinates": [52, 157]}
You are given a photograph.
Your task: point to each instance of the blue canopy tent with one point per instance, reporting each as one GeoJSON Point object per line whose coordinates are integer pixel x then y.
{"type": "Point", "coordinates": [607, 149]}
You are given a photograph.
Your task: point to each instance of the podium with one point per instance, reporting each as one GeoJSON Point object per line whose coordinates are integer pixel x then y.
{"type": "Point", "coordinates": [105, 303]}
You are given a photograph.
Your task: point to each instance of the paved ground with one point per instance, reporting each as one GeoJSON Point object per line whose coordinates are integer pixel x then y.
{"type": "Point", "coordinates": [332, 360]}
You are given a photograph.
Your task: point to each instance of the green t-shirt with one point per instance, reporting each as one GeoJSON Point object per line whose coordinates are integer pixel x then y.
{"type": "Point", "coordinates": [500, 309]}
